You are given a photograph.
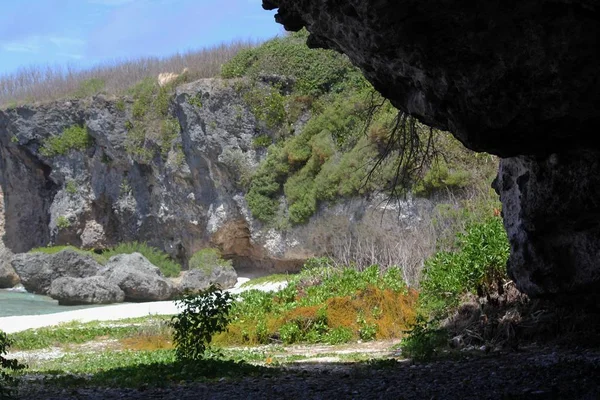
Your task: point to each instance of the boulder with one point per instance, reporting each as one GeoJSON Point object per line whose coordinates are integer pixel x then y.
{"type": "Point", "coordinates": [137, 277]}
{"type": "Point", "coordinates": [38, 270]}
{"type": "Point", "coordinates": [8, 276]}
{"type": "Point", "coordinates": [196, 280]}
{"type": "Point", "coordinates": [92, 290]}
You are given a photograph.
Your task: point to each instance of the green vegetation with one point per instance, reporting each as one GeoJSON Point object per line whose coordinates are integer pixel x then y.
{"type": "Point", "coordinates": [479, 264]}
{"type": "Point", "coordinates": [139, 369]}
{"type": "Point", "coordinates": [71, 187]}
{"type": "Point", "coordinates": [167, 266]}
{"type": "Point", "coordinates": [324, 304]}
{"type": "Point", "coordinates": [77, 333]}
{"type": "Point", "coordinates": [208, 259]}
{"type": "Point", "coordinates": [354, 142]}
{"type": "Point", "coordinates": [152, 128]}
{"type": "Point", "coordinates": [75, 137]}
{"type": "Point", "coordinates": [100, 259]}
{"type": "Point", "coordinates": [7, 368]}
{"type": "Point", "coordinates": [203, 315]}
{"type": "Point", "coordinates": [478, 267]}
{"type": "Point", "coordinates": [275, 278]}
{"type": "Point", "coordinates": [62, 222]}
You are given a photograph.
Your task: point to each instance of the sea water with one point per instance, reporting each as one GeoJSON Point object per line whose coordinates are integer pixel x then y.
{"type": "Point", "coordinates": [14, 302]}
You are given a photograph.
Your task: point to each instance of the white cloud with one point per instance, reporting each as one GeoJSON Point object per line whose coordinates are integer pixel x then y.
{"type": "Point", "coordinates": [29, 45]}
{"type": "Point", "coordinates": [61, 41]}
{"type": "Point", "coordinates": [34, 44]}
{"type": "Point", "coordinates": [68, 55]}
{"type": "Point", "coordinates": [111, 3]}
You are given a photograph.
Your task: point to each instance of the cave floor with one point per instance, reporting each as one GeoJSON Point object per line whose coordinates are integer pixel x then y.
{"type": "Point", "coordinates": [341, 372]}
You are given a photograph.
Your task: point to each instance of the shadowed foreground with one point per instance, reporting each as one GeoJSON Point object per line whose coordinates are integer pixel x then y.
{"type": "Point", "coordinates": [548, 373]}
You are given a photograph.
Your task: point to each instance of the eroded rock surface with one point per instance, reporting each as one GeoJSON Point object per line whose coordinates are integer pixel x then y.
{"type": "Point", "coordinates": [139, 279]}
{"type": "Point", "coordinates": [195, 279]}
{"type": "Point", "coordinates": [519, 80]}
{"type": "Point", "coordinates": [8, 276]}
{"type": "Point", "coordinates": [183, 198]}
{"type": "Point", "coordinates": [93, 290]}
{"type": "Point", "coordinates": [38, 270]}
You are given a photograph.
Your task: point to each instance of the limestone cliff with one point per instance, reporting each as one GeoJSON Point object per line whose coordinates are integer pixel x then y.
{"type": "Point", "coordinates": [517, 79]}
{"type": "Point", "coordinates": [179, 195]}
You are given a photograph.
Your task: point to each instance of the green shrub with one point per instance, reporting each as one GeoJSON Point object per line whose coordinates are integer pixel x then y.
{"type": "Point", "coordinates": [290, 333]}
{"type": "Point", "coordinates": [315, 71]}
{"type": "Point", "coordinates": [167, 266]}
{"type": "Point", "coordinates": [71, 187]}
{"type": "Point", "coordinates": [100, 259]}
{"type": "Point", "coordinates": [73, 138]}
{"type": "Point", "coordinates": [479, 262]}
{"type": "Point", "coordinates": [7, 366]}
{"type": "Point", "coordinates": [89, 87]}
{"type": "Point", "coordinates": [170, 129]}
{"type": "Point", "coordinates": [262, 141]}
{"type": "Point", "coordinates": [62, 222]}
{"type": "Point", "coordinates": [208, 259]}
{"type": "Point", "coordinates": [423, 340]}
{"type": "Point", "coordinates": [339, 335]}
{"type": "Point", "coordinates": [203, 316]}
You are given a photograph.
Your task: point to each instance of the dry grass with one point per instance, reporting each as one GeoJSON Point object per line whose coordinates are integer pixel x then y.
{"type": "Point", "coordinates": [46, 83]}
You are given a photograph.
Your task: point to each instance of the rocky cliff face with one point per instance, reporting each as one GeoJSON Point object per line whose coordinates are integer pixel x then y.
{"type": "Point", "coordinates": [181, 198]}
{"type": "Point", "coordinates": [519, 80]}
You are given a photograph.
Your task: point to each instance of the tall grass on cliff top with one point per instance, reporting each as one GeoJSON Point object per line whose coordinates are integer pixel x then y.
{"type": "Point", "coordinates": [44, 83]}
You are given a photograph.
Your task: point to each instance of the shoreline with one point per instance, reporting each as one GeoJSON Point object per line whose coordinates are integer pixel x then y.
{"type": "Point", "coordinates": [112, 312]}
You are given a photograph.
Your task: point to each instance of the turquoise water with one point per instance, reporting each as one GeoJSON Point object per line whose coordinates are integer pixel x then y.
{"type": "Point", "coordinates": [19, 303]}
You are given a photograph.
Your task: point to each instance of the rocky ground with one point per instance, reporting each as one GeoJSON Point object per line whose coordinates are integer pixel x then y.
{"type": "Point", "coordinates": [532, 373]}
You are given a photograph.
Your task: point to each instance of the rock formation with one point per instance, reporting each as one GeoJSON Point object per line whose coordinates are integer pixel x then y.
{"type": "Point", "coordinates": [181, 198]}
{"type": "Point", "coordinates": [196, 280]}
{"type": "Point", "coordinates": [38, 270]}
{"type": "Point", "coordinates": [93, 290]}
{"type": "Point", "coordinates": [8, 276]}
{"type": "Point", "coordinates": [520, 80]}
{"type": "Point", "coordinates": [137, 278]}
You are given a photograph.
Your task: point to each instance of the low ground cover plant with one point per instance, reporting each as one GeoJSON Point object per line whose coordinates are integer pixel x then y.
{"type": "Point", "coordinates": [324, 304]}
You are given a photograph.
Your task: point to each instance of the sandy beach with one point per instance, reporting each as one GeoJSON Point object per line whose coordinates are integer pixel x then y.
{"type": "Point", "coordinates": [112, 312]}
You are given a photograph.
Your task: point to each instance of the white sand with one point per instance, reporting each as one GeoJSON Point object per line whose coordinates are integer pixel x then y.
{"type": "Point", "coordinates": [112, 312]}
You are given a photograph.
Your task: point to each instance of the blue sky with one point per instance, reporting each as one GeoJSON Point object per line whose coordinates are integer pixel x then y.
{"type": "Point", "coordinates": [87, 32]}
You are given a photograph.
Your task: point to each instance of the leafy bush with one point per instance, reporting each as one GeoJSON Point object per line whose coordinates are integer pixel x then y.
{"type": "Point", "coordinates": [7, 381]}
{"type": "Point", "coordinates": [73, 138]}
{"type": "Point", "coordinates": [167, 266]}
{"type": "Point", "coordinates": [207, 260]}
{"type": "Point", "coordinates": [203, 316]}
{"type": "Point", "coordinates": [479, 262]}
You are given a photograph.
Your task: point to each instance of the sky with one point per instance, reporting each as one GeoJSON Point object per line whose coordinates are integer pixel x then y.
{"type": "Point", "coordinates": [83, 33]}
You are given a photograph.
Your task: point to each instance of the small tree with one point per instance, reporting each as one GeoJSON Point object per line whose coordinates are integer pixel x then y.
{"type": "Point", "coordinates": [7, 381]}
{"type": "Point", "coordinates": [204, 315]}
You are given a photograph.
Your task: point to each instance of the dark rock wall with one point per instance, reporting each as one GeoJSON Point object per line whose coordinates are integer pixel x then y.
{"type": "Point", "coordinates": [519, 79]}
